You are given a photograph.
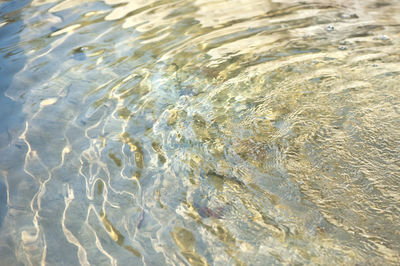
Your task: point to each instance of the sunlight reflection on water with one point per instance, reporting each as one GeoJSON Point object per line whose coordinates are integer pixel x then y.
{"type": "Point", "coordinates": [199, 132]}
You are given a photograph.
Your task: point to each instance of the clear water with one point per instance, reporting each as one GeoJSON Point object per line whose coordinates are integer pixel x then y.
{"type": "Point", "coordinates": [199, 132]}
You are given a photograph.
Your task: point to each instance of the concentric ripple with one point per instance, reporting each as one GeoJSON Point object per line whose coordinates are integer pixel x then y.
{"type": "Point", "coordinates": [200, 132]}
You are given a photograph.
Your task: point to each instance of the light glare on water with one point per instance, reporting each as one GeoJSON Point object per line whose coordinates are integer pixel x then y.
{"type": "Point", "coordinates": [200, 132]}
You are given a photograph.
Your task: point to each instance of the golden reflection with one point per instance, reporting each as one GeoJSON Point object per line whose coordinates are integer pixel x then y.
{"type": "Point", "coordinates": [158, 199]}
{"type": "Point", "coordinates": [160, 153]}
{"type": "Point", "coordinates": [219, 230]}
{"type": "Point", "coordinates": [116, 235]}
{"type": "Point", "coordinates": [172, 117]}
{"type": "Point", "coordinates": [116, 160]}
{"type": "Point", "coordinates": [217, 180]}
{"type": "Point", "coordinates": [135, 146]}
{"type": "Point", "coordinates": [277, 119]}
{"type": "Point", "coordinates": [100, 187]}
{"type": "Point", "coordinates": [186, 243]}
{"type": "Point", "coordinates": [124, 113]}
{"type": "Point", "coordinates": [111, 230]}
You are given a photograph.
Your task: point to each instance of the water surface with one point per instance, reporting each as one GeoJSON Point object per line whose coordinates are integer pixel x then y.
{"type": "Point", "coordinates": [200, 132]}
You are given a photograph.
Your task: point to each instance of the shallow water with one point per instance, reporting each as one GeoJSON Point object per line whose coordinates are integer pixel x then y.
{"type": "Point", "coordinates": [200, 132]}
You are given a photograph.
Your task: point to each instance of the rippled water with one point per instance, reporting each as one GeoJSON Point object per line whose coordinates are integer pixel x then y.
{"type": "Point", "coordinates": [200, 132]}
